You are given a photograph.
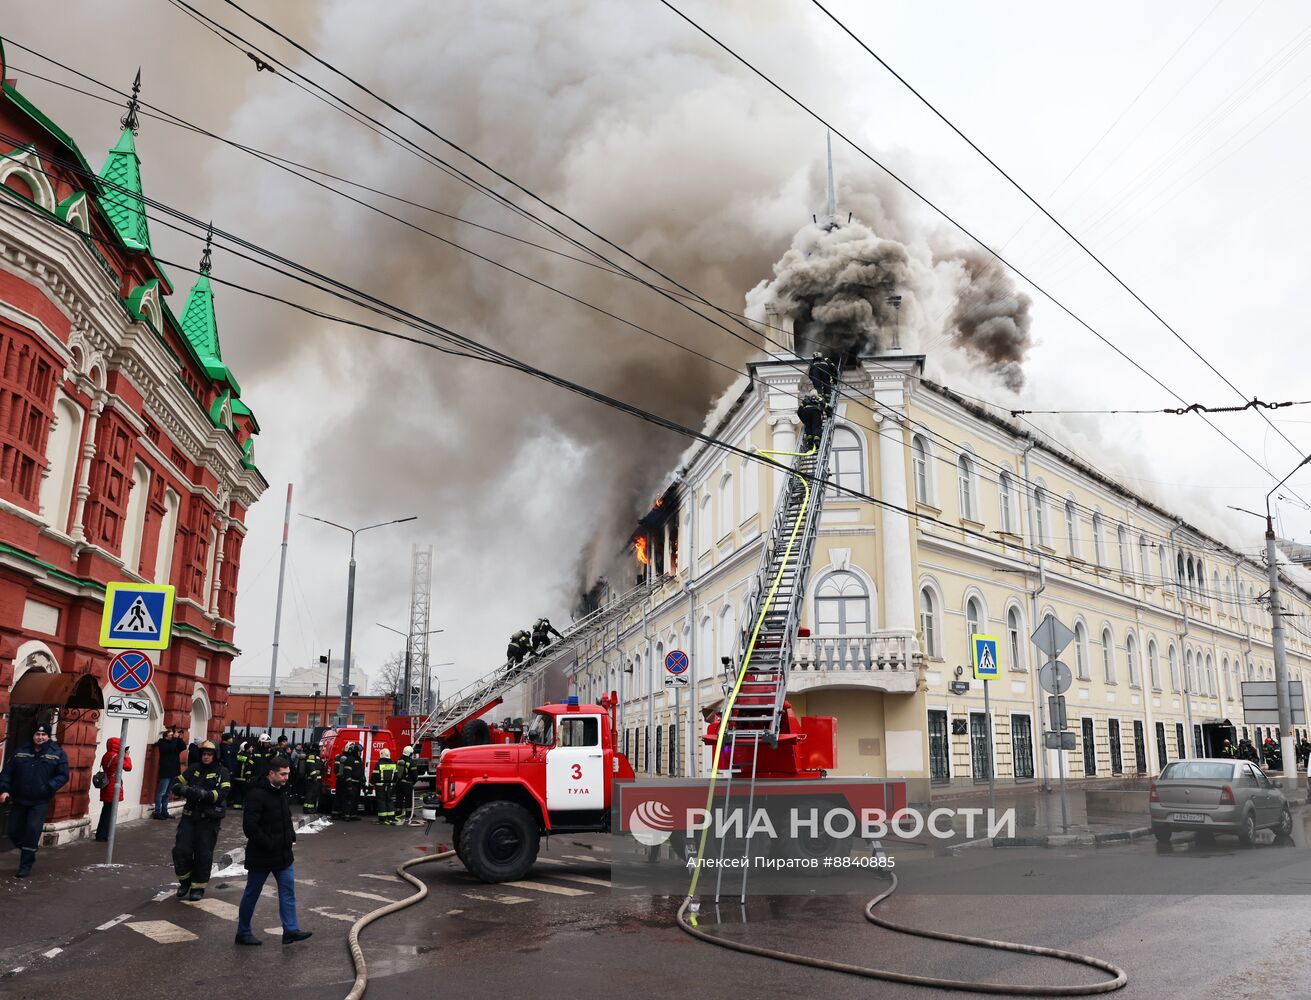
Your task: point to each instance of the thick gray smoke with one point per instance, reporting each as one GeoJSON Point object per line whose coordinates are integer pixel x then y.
{"type": "Point", "coordinates": [991, 318]}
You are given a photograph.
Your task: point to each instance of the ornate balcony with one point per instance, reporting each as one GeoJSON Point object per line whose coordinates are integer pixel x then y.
{"type": "Point", "coordinates": [881, 661]}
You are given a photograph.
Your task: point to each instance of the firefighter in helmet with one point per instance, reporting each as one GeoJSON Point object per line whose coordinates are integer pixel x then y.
{"type": "Point", "coordinates": [350, 779]}
{"type": "Point", "coordinates": [1227, 750]}
{"type": "Point", "coordinates": [242, 777]}
{"type": "Point", "coordinates": [823, 373]}
{"type": "Point", "coordinates": [261, 757]}
{"type": "Point", "coordinates": [407, 773]}
{"type": "Point", "coordinates": [811, 413]}
{"type": "Point", "coordinates": [205, 787]}
{"type": "Point", "coordinates": [542, 632]}
{"type": "Point", "coordinates": [519, 648]}
{"type": "Point", "coordinates": [384, 786]}
{"type": "Point", "coordinates": [313, 764]}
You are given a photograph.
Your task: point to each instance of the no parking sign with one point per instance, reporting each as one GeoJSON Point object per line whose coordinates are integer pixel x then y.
{"type": "Point", "coordinates": [676, 667]}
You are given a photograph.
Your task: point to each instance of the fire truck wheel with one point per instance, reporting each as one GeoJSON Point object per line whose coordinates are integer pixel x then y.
{"type": "Point", "coordinates": [499, 842]}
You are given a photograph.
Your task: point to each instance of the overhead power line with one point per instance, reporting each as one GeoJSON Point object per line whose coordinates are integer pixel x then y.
{"type": "Point", "coordinates": [1252, 404]}
{"type": "Point", "coordinates": [1055, 221]}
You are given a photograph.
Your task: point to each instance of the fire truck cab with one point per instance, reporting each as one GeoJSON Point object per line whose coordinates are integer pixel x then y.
{"type": "Point", "coordinates": [501, 799]}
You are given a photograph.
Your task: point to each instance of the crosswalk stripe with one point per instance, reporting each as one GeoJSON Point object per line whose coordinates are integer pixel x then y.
{"type": "Point", "coordinates": [324, 911]}
{"type": "Point", "coordinates": [51, 953]}
{"type": "Point", "coordinates": [117, 920]}
{"type": "Point", "coordinates": [559, 890]}
{"type": "Point", "coordinates": [366, 895]}
{"type": "Point", "coordinates": [585, 880]}
{"type": "Point", "coordinates": [483, 897]}
{"type": "Point", "coordinates": [161, 931]}
{"type": "Point", "coordinates": [594, 859]}
{"type": "Point", "coordinates": [216, 907]}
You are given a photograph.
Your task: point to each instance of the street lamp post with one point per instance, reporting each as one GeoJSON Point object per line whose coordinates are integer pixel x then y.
{"type": "Point", "coordinates": [408, 639]}
{"type": "Point", "coordinates": [1287, 746]}
{"type": "Point", "coordinates": [344, 706]}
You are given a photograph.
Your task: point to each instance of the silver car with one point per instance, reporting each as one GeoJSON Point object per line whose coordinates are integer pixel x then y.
{"type": "Point", "coordinates": [1207, 797]}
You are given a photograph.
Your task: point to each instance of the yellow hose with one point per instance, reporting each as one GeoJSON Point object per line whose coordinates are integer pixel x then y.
{"type": "Point", "coordinates": [742, 673]}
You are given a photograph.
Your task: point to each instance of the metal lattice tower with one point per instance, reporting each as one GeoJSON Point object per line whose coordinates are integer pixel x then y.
{"type": "Point", "coordinates": [420, 612]}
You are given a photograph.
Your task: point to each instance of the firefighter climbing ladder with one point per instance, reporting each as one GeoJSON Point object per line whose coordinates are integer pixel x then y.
{"type": "Point", "coordinates": [753, 708]}
{"type": "Point", "coordinates": [469, 702]}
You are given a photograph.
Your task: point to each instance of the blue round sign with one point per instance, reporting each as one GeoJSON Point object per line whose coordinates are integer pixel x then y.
{"type": "Point", "coordinates": [130, 671]}
{"type": "Point", "coordinates": [676, 662]}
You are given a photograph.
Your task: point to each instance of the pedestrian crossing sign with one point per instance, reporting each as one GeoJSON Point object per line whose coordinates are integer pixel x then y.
{"type": "Point", "coordinates": [137, 616]}
{"type": "Point", "coordinates": [984, 649]}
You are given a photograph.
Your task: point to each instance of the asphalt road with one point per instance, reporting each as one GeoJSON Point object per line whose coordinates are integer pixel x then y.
{"type": "Point", "coordinates": [565, 931]}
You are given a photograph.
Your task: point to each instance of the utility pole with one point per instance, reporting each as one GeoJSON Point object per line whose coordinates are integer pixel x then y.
{"type": "Point", "coordinates": [277, 613]}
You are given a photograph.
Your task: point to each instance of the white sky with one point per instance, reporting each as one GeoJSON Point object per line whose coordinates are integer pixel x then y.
{"type": "Point", "coordinates": [1196, 197]}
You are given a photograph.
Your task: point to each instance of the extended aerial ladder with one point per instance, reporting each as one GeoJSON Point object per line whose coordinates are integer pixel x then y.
{"type": "Point", "coordinates": [488, 691]}
{"type": "Point", "coordinates": [756, 724]}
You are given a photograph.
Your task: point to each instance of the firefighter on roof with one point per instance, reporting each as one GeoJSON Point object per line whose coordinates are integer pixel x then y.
{"type": "Point", "coordinates": [542, 632]}
{"type": "Point", "coordinates": [205, 786]}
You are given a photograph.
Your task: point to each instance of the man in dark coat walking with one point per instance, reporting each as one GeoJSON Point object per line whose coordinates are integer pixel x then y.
{"type": "Point", "coordinates": [168, 749]}
{"type": "Point", "coordinates": [269, 836]}
{"type": "Point", "coordinates": [31, 776]}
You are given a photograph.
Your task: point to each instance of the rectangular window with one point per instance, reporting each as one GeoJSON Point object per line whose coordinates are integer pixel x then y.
{"type": "Point", "coordinates": [1089, 748]}
{"type": "Point", "coordinates": [980, 746]}
{"type": "Point", "coordinates": [1113, 732]}
{"type": "Point", "coordinates": [921, 478]}
{"type": "Point", "coordinates": [1022, 746]}
{"type": "Point", "coordinates": [646, 746]}
{"type": "Point", "coordinates": [1179, 740]}
{"type": "Point", "coordinates": [291, 718]}
{"type": "Point", "coordinates": [658, 762]}
{"type": "Point", "coordinates": [357, 719]}
{"type": "Point", "coordinates": [312, 720]}
{"type": "Point", "coordinates": [673, 750]}
{"type": "Point", "coordinates": [581, 732]}
{"type": "Point", "coordinates": [939, 748]}
{"type": "Point", "coordinates": [1197, 742]}
{"type": "Point", "coordinates": [1139, 747]}
{"type": "Point", "coordinates": [1162, 755]}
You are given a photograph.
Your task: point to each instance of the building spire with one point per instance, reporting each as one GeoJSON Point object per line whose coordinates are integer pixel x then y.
{"type": "Point", "coordinates": [209, 245]}
{"type": "Point", "coordinates": [831, 202]}
{"type": "Point", "coordinates": [129, 120]}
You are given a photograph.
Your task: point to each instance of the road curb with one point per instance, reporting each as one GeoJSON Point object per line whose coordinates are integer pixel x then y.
{"type": "Point", "coordinates": [238, 854]}
{"type": "Point", "coordinates": [1106, 839]}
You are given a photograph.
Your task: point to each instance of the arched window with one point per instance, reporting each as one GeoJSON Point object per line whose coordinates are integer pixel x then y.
{"type": "Point", "coordinates": [842, 605]}
{"type": "Point", "coordinates": [1160, 555]}
{"type": "Point", "coordinates": [727, 509]}
{"type": "Point", "coordinates": [1122, 543]}
{"type": "Point", "coordinates": [1190, 681]}
{"type": "Point", "coordinates": [1179, 568]}
{"type": "Point", "coordinates": [168, 528]}
{"type": "Point", "coordinates": [1154, 664]}
{"type": "Point", "coordinates": [1192, 576]}
{"type": "Point", "coordinates": [1174, 669]}
{"type": "Point", "coordinates": [1081, 650]}
{"type": "Point", "coordinates": [1215, 585]}
{"type": "Point", "coordinates": [973, 618]}
{"type": "Point", "coordinates": [1071, 528]}
{"type": "Point", "coordinates": [1006, 499]}
{"type": "Point", "coordinates": [64, 453]}
{"type": "Point", "coordinates": [750, 489]}
{"type": "Point", "coordinates": [135, 520]}
{"type": "Point", "coordinates": [846, 465]}
{"type": "Point", "coordinates": [965, 480]}
{"type": "Point", "coordinates": [705, 526]}
{"type": "Point", "coordinates": [1040, 514]}
{"type": "Point", "coordinates": [208, 594]}
{"type": "Point", "coordinates": [1142, 559]}
{"type": "Point", "coordinates": [929, 623]}
{"type": "Point", "coordinates": [1014, 637]}
{"type": "Point", "coordinates": [1229, 681]}
{"type": "Point", "coordinates": [1131, 658]}
{"type": "Point", "coordinates": [1108, 655]}
{"type": "Point", "coordinates": [706, 640]}
{"type": "Point", "coordinates": [1099, 557]}
{"type": "Point", "coordinates": [919, 461]}
{"type": "Point", "coordinates": [1210, 676]}
{"type": "Point", "coordinates": [728, 638]}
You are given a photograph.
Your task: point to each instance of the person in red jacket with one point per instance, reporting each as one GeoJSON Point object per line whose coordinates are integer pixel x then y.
{"type": "Point", "coordinates": [109, 764]}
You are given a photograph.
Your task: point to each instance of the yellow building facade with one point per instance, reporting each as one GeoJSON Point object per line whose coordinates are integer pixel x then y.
{"type": "Point", "coordinates": [975, 526]}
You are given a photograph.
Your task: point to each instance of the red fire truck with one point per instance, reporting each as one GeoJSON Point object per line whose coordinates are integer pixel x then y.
{"type": "Point", "coordinates": [372, 741]}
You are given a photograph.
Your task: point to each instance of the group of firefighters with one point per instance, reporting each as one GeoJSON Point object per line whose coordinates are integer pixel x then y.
{"type": "Point", "coordinates": [815, 406]}
{"type": "Point", "coordinates": [524, 644]}
{"type": "Point", "coordinates": [393, 784]}
{"type": "Point", "coordinates": [1270, 750]}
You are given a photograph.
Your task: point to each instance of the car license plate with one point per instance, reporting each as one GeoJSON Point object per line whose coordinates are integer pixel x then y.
{"type": "Point", "coordinates": [1188, 818]}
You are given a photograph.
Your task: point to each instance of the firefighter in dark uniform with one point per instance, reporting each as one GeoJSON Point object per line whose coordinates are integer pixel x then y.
{"type": "Point", "coordinates": [1274, 757]}
{"type": "Point", "coordinates": [811, 413]}
{"type": "Point", "coordinates": [205, 786]}
{"type": "Point", "coordinates": [1227, 750]}
{"type": "Point", "coordinates": [313, 779]}
{"type": "Point", "coordinates": [384, 786]}
{"type": "Point", "coordinates": [261, 757]}
{"type": "Point", "coordinates": [542, 633]}
{"type": "Point", "coordinates": [407, 773]}
{"type": "Point", "coordinates": [32, 774]}
{"type": "Point", "coordinates": [823, 374]}
{"type": "Point", "coordinates": [350, 778]}
{"type": "Point", "coordinates": [1246, 751]}
{"type": "Point", "coordinates": [519, 648]}
{"type": "Point", "coordinates": [240, 779]}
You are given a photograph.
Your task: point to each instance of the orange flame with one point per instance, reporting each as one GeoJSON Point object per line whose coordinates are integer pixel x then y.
{"type": "Point", "coordinates": [660, 501]}
{"type": "Point", "coordinates": [640, 546]}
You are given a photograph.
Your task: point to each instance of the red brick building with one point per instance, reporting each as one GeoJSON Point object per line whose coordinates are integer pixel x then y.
{"type": "Point", "coordinates": [303, 711]}
{"type": "Point", "coordinates": [126, 453]}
